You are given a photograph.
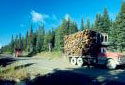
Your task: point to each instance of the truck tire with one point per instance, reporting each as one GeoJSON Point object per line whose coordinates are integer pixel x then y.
{"type": "Point", "coordinates": [73, 61]}
{"type": "Point", "coordinates": [80, 61]}
{"type": "Point", "coordinates": [111, 64]}
{"type": "Point", "coordinates": [94, 61]}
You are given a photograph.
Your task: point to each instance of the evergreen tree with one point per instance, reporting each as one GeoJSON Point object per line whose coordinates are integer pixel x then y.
{"type": "Point", "coordinates": [113, 38]}
{"type": "Point", "coordinates": [92, 26]}
{"type": "Point", "coordinates": [12, 44]}
{"type": "Point", "coordinates": [120, 24]}
{"type": "Point", "coordinates": [62, 30]}
{"type": "Point", "coordinates": [72, 27]}
{"type": "Point", "coordinates": [102, 23]}
{"type": "Point", "coordinates": [20, 41]}
{"type": "Point", "coordinates": [105, 21]}
{"type": "Point", "coordinates": [31, 39]}
{"type": "Point", "coordinates": [53, 38]}
{"type": "Point", "coordinates": [98, 23]}
{"type": "Point", "coordinates": [75, 27]}
{"type": "Point", "coordinates": [65, 26]}
{"type": "Point", "coordinates": [16, 42]}
{"type": "Point", "coordinates": [23, 43]}
{"type": "Point", "coordinates": [26, 41]}
{"type": "Point", "coordinates": [40, 34]}
{"type": "Point", "coordinates": [88, 26]}
{"type": "Point", "coordinates": [34, 42]}
{"type": "Point", "coordinates": [59, 38]}
{"type": "Point", "coordinates": [47, 40]}
{"type": "Point", "coordinates": [82, 24]}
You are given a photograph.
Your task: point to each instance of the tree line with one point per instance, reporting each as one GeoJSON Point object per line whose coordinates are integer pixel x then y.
{"type": "Point", "coordinates": [42, 40]}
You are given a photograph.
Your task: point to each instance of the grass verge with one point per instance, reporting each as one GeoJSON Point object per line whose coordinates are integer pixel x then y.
{"type": "Point", "coordinates": [10, 73]}
{"type": "Point", "coordinates": [49, 55]}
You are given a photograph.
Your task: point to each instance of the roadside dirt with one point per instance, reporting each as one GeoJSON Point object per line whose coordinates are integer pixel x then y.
{"type": "Point", "coordinates": [55, 68]}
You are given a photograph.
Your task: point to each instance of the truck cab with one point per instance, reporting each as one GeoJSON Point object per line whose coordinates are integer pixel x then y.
{"type": "Point", "coordinates": [110, 59]}
{"type": "Point", "coordinates": [104, 39]}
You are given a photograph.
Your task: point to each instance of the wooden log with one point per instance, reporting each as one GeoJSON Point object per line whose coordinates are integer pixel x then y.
{"type": "Point", "coordinates": [80, 43]}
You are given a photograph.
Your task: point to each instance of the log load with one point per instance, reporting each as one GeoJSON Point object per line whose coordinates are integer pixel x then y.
{"type": "Point", "coordinates": [82, 43]}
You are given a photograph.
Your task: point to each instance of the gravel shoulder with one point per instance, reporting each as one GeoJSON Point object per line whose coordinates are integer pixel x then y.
{"type": "Point", "coordinates": [44, 66]}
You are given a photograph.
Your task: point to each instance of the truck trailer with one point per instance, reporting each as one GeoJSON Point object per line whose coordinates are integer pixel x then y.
{"type": "Point", "coordinates": [89, 47]}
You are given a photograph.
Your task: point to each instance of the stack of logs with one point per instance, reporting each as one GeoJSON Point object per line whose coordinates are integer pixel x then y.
{"type": "Point", "coordinates": [81, 43]}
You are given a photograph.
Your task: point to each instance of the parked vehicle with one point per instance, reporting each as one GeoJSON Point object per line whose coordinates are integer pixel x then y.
{"type": "Point", "coordinates": [17, 52]}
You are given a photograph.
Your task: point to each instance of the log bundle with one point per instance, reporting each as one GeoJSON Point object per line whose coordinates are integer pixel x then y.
{"type": "Point", "coordinates": [81, 43]}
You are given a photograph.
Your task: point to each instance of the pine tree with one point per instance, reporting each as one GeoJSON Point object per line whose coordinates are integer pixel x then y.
{"type": "Point", "coordinates": [92, 26]}
{"type": "Point", "coordinates": [105, 21]}
{"type": "Point", "coordinates": [82, 24]}
{"type": "Point", "coordinates": [31, 39]}
{"type": "Point", "coordinates": [34, 42]}
{"type": "Point", "coordinates": [53, 38]}
{"type": "Point", "coordinates": [120, 24]}
{"type": "Point", "coordinates": [59, 38]}
{"type": "Point", "coordinates": [88, 25]}
{"type": "Point", "coordinates": [20, 41]}
{"type": "Point", "coordinates": [47, 40]}
{"type": "Point", "coordinates": [26, 42]}
{"type": "Point", "coordinates": [62, 30]}
{"type": "Point", "coordinates": [16, 42]}
{"type": "Point", "coordinates": [65, 26]}
{"type": "Point", "coordinates": [23, 43]}
{"type": "Point", "coordinates": [75, 27]}
{"type": "Point", "coordinates": [98, 23]}
{"type": "Point", "coordinates": [113, 38]}
{"type": "Point", "coordinates": [72, 27]}
{"type": "Point", "coordinates": [40, 34]}
{"type": "Point", "coordinates": [12, 44]}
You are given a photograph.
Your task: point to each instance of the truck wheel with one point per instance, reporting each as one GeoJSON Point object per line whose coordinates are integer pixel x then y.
{"type": "Point", "coordinates": [73, 61]}
{"type": "Point", "coordinates": [80, 62]}
{"type": "Point", "coordinates": [94, 61]}
{"type": "Point", "coordinates": [111, 64]}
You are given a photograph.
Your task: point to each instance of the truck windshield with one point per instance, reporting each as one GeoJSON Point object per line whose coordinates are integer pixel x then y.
{"type": "Point", "coordinates": [103, 50]}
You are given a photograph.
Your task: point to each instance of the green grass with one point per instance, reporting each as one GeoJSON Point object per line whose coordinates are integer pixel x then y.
{"type": "Point", "coordinates": [6, 53]}
{"type": "Point", "coordinates": [50, 55]}
{"type": "Point", "coordinates": [10, 72]}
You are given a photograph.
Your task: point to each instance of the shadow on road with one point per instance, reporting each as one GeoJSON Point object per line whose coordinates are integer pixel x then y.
{"type": "Point", "coordinates": [7, 82]}
{"type": "Point", "coordinates": [6, 61]}
{"type": "Point", "coordinates": [78, 77]}
{"type": "Point", "coordinates": [62, 77]}
{"type": "Point", "coordinates": [24, 66]}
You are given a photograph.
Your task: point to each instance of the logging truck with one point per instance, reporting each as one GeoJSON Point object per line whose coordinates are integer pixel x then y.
{"type": "Point", "coordinates": [90, 48]}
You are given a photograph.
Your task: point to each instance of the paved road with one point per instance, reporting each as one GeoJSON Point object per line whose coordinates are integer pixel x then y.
{"type": "Point", "coordinates": [62, 67]}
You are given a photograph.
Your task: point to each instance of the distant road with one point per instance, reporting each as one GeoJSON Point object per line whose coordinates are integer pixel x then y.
{"type": "Point", "coordinates": [13, 57]}
{"type": "Point", "coordinates": [6, 59]}
{"type": "Point", "coordinates": [5, 55]}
